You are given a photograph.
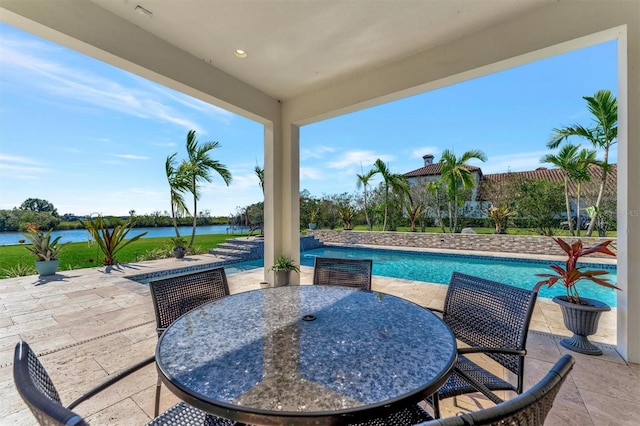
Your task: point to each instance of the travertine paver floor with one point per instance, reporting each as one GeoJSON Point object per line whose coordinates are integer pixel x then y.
{"type": "Point", "coordinates": [87, 324]}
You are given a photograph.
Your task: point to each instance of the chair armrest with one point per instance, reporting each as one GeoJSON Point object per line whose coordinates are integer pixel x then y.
{"type": "Point", "coordinates": [115, 378]}
{"type": "Point", "coordinates": [485, 349]}
{"type": "Point", "coordinates": [479, 386]}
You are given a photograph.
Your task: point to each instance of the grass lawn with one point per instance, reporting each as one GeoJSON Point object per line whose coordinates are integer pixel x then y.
{"type": "Point", "coordinates": [81, 255]}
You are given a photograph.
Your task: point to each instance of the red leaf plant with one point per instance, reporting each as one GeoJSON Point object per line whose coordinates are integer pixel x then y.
{"type": "Point", "coordinates": [571, 274]}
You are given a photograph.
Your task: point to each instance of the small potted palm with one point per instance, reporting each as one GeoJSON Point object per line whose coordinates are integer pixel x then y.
{"type": "Point", "coordinates": [581, 315]}
{"type": "Point", "coordinates": [45, 249]}
{"type": "Point", "coordinates": [179, 247]}
{"type": "Point", "coordinates": [313, 216]}
{"type": "Point", "coordinates": [281, 268]}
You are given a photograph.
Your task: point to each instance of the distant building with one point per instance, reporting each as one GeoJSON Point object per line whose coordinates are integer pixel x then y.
{"type": "Point", "coordinates": [431, 172]}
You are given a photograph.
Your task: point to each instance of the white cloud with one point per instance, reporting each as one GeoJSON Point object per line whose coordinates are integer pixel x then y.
{"type": "Point", "coordinates": [317, 152]}
{"type": "Point", "coordinates": [358, 158]}
{"type": "Point", "coordinates": [422, 151]}
{"type": "Point", "coordinates": [17, 159]}
{"type": "Point", "coordinates": [242, 181]}
{"type": "Point", "coordinates": [41, 66]}
{"type": "Point", "coordinates": [131, 156]}
{"type": "Point", "coordinates": [23, 168]}
{"type": "Point", "coordinates": [311, 173]}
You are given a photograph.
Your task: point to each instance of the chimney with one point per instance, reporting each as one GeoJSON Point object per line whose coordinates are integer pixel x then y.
{"type": "Point", "coordinates": [428, 159]}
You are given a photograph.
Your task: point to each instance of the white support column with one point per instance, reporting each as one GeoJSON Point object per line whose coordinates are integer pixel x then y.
{"type": "Point", "coordinates": [282, 195]}
{"type": "Point", "coordinates": [628, 321]}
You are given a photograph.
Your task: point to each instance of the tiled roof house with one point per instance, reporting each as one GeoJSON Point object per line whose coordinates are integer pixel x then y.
{"type": "Point", "coordinates": [431, 171]}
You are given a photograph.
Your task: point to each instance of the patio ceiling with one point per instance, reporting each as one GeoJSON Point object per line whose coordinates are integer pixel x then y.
{"type": "Point", "coordinates": [295, 47]}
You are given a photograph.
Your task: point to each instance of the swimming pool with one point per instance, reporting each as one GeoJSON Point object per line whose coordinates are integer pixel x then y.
{"type": "Point", "coordinates": [437, 268]}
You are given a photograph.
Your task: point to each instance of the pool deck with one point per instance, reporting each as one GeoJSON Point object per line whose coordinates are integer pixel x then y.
{"type": "Point", "coordinates": [89, 323]}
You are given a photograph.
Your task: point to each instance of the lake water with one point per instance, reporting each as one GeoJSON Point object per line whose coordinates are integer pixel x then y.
{"type": "Point", "coordinates": [82, 235]}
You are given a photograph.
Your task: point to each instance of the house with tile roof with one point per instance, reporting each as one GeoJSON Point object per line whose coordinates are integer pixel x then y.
{"type": "Point", "coordinates": [431, 171]}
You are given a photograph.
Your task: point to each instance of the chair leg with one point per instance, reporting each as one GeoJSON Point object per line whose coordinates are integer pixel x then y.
{"type": "Point", "coordinates": [156, 410]}
{"type": "Point", "coordinates": [436, 405]}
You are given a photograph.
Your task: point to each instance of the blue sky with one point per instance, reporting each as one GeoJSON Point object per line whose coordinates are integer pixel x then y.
{"type": "Point", "coordinates": [89, 137]}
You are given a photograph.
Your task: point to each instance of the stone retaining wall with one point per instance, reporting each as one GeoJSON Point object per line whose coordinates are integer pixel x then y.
{"type": "Point", "coordinates": [531, 244]}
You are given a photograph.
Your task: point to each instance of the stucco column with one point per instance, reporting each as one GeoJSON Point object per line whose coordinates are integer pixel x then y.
{"type": "Point", "coordinates": [628, 322]}
{"type": "Point", "coordinates": [282, 195]}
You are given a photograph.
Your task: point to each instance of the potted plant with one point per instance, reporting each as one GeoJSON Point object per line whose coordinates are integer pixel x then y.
{"type": "Point", "coordinates": [44, 248]}
{"type": "Point", "coordinates": [179, 247]}
{"type": "Point", "coordinates": [111, 239]}
{"type": "Point", "coordinates": [581, 315]}
{"type": "Point", "coordinates": [313, 216]}
{"type": "Point", "coordinates": [281, 268]}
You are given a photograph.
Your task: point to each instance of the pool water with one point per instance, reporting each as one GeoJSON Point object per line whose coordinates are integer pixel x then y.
{"type": "Point", "coordinates": [437, 268]}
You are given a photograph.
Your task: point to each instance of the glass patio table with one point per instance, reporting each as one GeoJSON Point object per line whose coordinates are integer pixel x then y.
{"type": "Point", "coordinates": [305, 355]}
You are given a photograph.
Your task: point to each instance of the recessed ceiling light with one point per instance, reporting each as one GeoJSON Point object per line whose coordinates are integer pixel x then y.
{"type": "Point", "coordinates": [144, 12]}
{"type": "Point", "coordinates": [240, 53]}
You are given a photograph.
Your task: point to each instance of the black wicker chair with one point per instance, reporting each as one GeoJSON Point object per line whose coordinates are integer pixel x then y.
{"type": "Point", "coordinates": [492, 319]}
{"type": "Point", "coordinates": [406, 417]}
{"type": "Point", "coordinates": [38, 392]}
{"type": "Point", "coordinates": [343, 272]}
{"type": "Point", "coordinates": [528, 409]}
{"type": "Point", "coordinates": [173, 297]}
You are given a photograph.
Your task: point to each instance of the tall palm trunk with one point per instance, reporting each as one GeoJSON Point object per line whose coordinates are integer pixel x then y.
{"type": "Point", "coordinates": [195, 215]}
{"type": "Point", "coordinates": [568, 204]}
{"type": "Point", "coordinates": [603, 182]}
{"type": "Point", "coordinates": [366, 209]}
{"type": "Point", "coordinates": [386, 206]}
{"type": "Point", "coordinates": [174, 220]}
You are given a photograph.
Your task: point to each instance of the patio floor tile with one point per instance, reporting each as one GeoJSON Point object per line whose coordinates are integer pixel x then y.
{"type": "Point", "coordinates": [87, 324]}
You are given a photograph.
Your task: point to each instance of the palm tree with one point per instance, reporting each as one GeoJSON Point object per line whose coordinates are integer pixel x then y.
{"type": "Point", "coordinates": [392, 182]}
{"type": "Point", "coordinates": [455, 175]}
{"type": "Point", "coordinates": [566, 160]}
{"type": "Point", "coordinates": [177, 186]}
{"type": "Point", "coordinates": [414, 210]}
{"type": "Point", "coordinates": [604, 108]}
{"type": "Point", "coordinates": [580, 174]}
{"type": "Point", "coordinates": [381, 167]}
{"type": "Point", "coordinates": [260, 173]}
{"type": "Point", "coordinates": [197, 168]}
{"type": "Point", "coordinates": [363, 181]}
{"type": "Point", "coordinates": [434, 188]}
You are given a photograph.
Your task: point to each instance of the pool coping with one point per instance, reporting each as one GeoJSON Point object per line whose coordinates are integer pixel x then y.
{"type": "Point", "coordinates": [535, 258]}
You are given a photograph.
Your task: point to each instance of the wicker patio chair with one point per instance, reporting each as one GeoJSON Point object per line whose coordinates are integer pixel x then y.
{"type": "Point", "coordinates": [528, 409]}
{"type": "Point", "coordinates": [175, 296]}
{"type": "Point", "coordinates": [343, 272]}
{"type": "Point", "coordinates": [37, 390]}
{"type": "Point", "coordinates": [492, 319]}
{"type": "Point", "coordinates": [406, 417]}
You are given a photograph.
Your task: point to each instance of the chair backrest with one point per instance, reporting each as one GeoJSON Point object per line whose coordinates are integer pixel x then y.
{"type": "Point", "coordinates": [343, 272]}
{"type": "Point", "coordinates": [487, 313]}
{"type": "Point", "coordinates": [173, 297]}
{"type": "Point", "coordinates": [37, 390]}
{"type": "Point", "coordinates": [527, 409]}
